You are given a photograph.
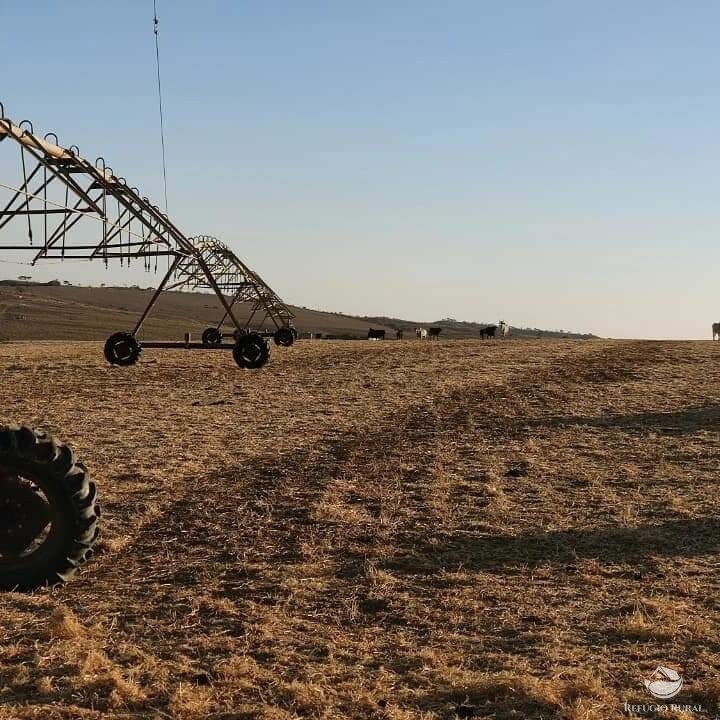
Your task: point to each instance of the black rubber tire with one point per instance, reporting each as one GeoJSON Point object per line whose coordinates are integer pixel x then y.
{"type": "Point", "coordinates": [284, 337]}
{"type": "Point", "coordinates": [122, 349]}
{"type": "Point", "coordinates": [251, 351]}
{"type": "Point", "coordinates": [72, 500]}
{"type": "Point", "coordinates": [211, 336]}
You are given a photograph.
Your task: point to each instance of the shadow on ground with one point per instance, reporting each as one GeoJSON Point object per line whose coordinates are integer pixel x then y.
{"type": "Point", "coordinates": [641, 546]}
{"type": "Point", "coordinates": [682, 422]}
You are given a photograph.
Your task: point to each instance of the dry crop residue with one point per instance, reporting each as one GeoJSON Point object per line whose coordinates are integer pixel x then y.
{"type": "Point", "coordinates": [389, 530]}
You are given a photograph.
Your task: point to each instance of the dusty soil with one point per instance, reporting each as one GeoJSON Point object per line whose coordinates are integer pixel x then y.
{"type": "Point", "coordinates": [378, 530]}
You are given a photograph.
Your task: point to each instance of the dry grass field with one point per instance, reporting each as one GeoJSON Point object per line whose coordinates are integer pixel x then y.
{"type": "Point", "coordinates": [378, 530]}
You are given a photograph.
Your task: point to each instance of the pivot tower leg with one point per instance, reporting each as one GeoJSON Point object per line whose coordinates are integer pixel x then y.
{"type": "Point", "coordinates": [156, 294]}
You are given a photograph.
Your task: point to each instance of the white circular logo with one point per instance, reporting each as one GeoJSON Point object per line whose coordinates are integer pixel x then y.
{"type": "Point", "coordinates": [664, 683]}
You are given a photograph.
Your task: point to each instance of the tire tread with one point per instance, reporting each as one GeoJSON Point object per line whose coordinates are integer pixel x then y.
{"type": "Point", "coordinates": [24, 447]}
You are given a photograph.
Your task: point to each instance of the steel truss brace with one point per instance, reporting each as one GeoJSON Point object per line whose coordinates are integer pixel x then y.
{"type": "Point", "coordinates": [57, 188]}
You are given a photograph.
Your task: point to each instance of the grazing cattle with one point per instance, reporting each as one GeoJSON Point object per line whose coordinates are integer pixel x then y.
{"type": "Point", "coordinates": [434, 333]}
{"type": "Point", "coordinates": [420, 333]}
{"type": "Point", "coordinates": [376, 334]}
{"type": "Point", "coordinates": [488, 332]}
{"type": "Point", "coordinates": [716, 330]}
{"type": "Point", "coordinates": [398, 334]}
{"type": "Point", "coordinates": [504, 328]}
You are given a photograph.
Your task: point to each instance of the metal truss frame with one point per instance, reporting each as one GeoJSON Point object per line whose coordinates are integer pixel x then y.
{"type": "Point", "coordinates": [132, 228]}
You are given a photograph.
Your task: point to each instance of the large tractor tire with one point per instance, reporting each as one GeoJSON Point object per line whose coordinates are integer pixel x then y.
{"type": "Point", "coordinates": [122, 349]}
{"type": "Point", "coordinates": [251, 351]}
{"type": "Point", "coordinates": [284, 337]}
{"type": "Point", "coordinates": [48, 507]}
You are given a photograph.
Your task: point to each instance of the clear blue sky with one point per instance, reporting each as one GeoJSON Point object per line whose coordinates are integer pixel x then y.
{"type": "Point", "coordinates": [553, 164]}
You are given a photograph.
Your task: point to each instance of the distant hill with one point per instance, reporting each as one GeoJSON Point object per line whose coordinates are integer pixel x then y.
{"type": "Point", "coordinates": [30, 283]}
{"type": "Point", "coordinates": [65, 312]}
{"type": "Point", "coordinates": [37, 311]}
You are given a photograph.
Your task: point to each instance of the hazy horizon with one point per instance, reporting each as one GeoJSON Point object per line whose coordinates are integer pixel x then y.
{"type": "Point", "coordinates": [546, 164]}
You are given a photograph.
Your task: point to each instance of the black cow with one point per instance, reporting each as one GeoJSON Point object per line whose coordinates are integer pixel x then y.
{"type": "Point", "coordinates": [434, 333]}
{"type": "Point", "coordinates": [376, 334]}
{"type": "Point", "coordinates": [488, 332]}
{"type": "Point", "coordinates": [398, 334]}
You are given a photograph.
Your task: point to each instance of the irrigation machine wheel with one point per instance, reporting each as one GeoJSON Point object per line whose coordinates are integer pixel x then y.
{"type": "Point", "coordinates": [49, 509]}
{"type": "Point", "coordinates": [122, 349]}
{"type": "Point", "coordinates": [251, 351]}
{"type": "Point", "coordinates": [211, 336]}
{"type": "Point", "coordinates": [284, 336]}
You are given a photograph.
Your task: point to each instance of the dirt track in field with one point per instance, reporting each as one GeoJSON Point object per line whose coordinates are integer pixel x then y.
{"type": "Point", "coordinates": [387, 530]}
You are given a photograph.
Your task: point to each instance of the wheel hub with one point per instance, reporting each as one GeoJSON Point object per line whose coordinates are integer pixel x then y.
{"type": "Point", "coordinates": [27, 511]}
{"type": "Point", "coordinates": [122, 349]}
{"type": "Point", "coordinates": [252, 351]}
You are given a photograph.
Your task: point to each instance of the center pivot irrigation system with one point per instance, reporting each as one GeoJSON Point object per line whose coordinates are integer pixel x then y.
{"type": "Point", "coordinates": [56, 188]}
